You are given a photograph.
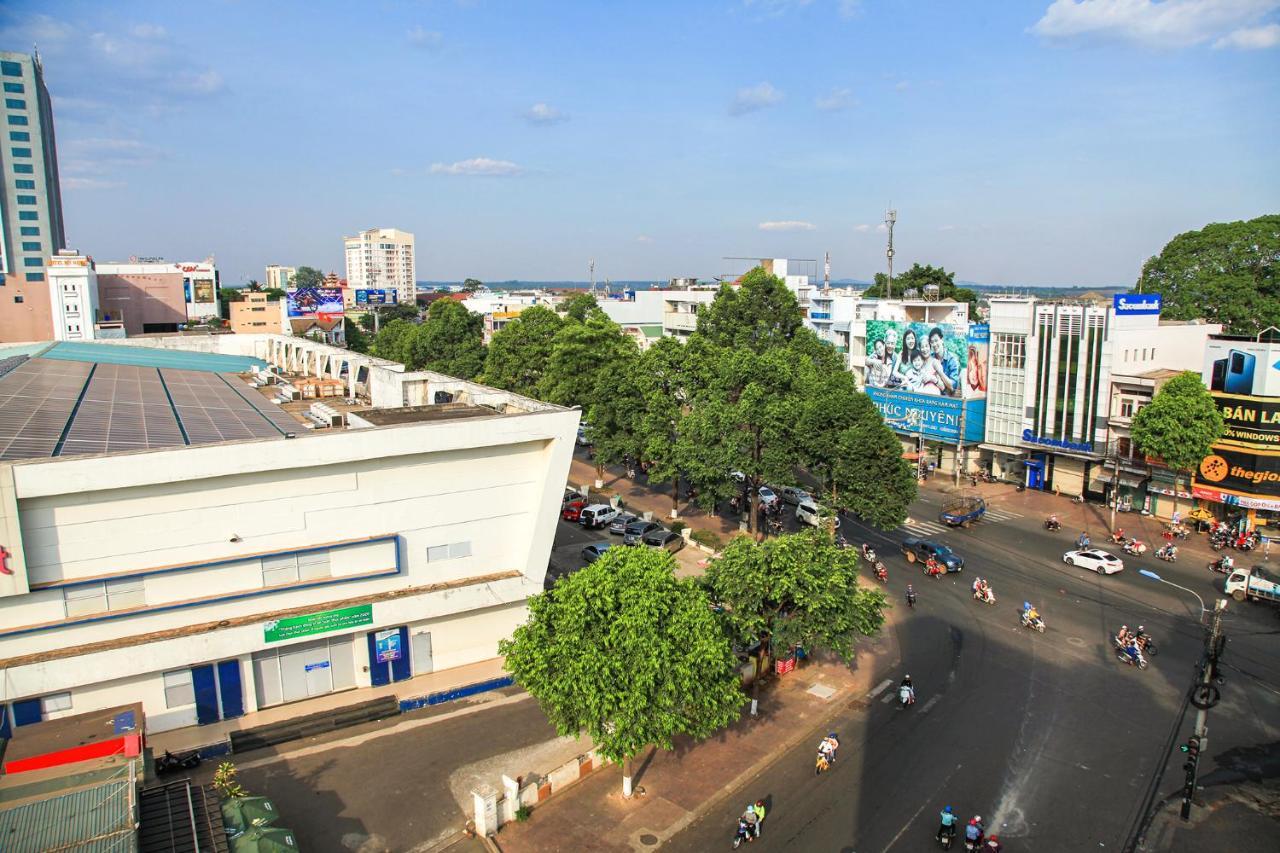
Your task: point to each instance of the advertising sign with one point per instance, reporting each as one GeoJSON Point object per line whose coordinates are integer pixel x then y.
{"type": "Point", "coordinates": [1251, 422]}
{"type": "Point", "coordinates": [1239, 472]}
{"type": "Point", "coordinates": [1134, 304]}
{"type": "Point", "coordinates": [387, 645]}
{"type": "Point", "coordinates": [930, 416]}
{"type": "Point", "coordinates": [931, 359]}
{"type": "Point", "coordinates": [376, 297]}
{"type": "Point", "coordinates": [317, 623]}
{"type": "Point", "coordinates": [314, 301]}
{"type": "Point", "coordinates": [1242, 367]}
{"type": "Point", "coordinates": [203, 290]}
{"type": "Point", "coordinates": [186, 289]}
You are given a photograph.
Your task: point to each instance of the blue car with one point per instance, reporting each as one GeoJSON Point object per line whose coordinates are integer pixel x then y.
{"type": "Point", "coordinates": [593, 552]}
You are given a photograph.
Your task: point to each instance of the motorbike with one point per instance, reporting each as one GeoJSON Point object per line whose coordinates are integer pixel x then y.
{"type": "Point", "coordinates": [882, 574]}
{"type": "Point", "coordinates": [743, 833]}
{"type": "Point", "coordinates": [1122, 653]}
{"type": "Point", "coordinates": [1217, 542]}
{"type": "Point", "coordinates": [911, 599]}
{"type": "Point", "coordinates": [948, 835]}
{"type": "Point", "coordinates": [1220, 566]}
{"type": "Point", "coordinates": [1167, 554]}
{"type": "Point", "coordinates": [1036, 624]}
{"type": "Point", "coordinates": [933, 568]}
{"type": "Point", "coordinates": [987, 597]}
{"type": "Point", "coordinates": [1052, 524]}
{"type": "Point", "coordinates": [1117, 539]}
{"type": "Point", "coordinates": [1134, 547]}
{"type": "Point", "coordinates": [171, 762]}
{"type": "Point", "coordinates": [906, 695]}
{"type": "Point", "coordinates": [868, 554]}
{"type": "Point", "coordinates": [1179, 531]}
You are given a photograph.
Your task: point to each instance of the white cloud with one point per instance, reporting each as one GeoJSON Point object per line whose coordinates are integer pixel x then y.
{"type": "Point", "coordinates": [882, 227]}
{"type": "Point", "coordinates": [849, 9]}
{"type": "Point", "coordinates": [835, 100]}
{"type": "Point", "coordinates": [754, 98]}
{"type": "Point", "coordinates": [478, 166]}
{"type": "Point", "coordinates": [946, 228]}
{"type": "Point", "coordinates": [902, 85]}
{"type": "Point", "coordinates": [774, 8]}
{"type": "Point", "coordinates": [544, 114]}
{"type": "Point", "coordinates": [71, 183]}
{"type": "Point", "coordinates": [420, 36]}
{"type": "Point", "coordinates": [202, 83]}
{"type": "Point", "coordinates": [644, 238]}
{"type": "Point", "coordinates": [149, 31]}
{"type": "Point", "coordinates": [1170, 23]}
{"type": "Point", "coordinates": [1251, 38]}
{"type": "Point", "coordinates": [787, 225]}
{"type": "Point", "coordinates": [863, 228]}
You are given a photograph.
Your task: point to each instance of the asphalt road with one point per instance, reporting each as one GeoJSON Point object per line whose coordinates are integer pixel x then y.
{"type": "Point", "coordinates": [1050, 738]}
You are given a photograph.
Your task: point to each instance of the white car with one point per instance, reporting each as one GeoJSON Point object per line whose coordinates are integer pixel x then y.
{"type": "Point", "coordinates": [807, 512]}
{"type": "Point", "coordinates": [767, 496]}
{"type": "Point", "coordinates": [1092, 558]}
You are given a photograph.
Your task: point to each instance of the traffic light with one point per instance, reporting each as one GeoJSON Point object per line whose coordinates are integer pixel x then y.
{"type": "Point", "coordinates": [1192, 749]}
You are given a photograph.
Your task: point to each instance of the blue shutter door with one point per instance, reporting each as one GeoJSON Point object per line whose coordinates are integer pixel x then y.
{"type": "Point", "coordinates": [5, 731]}
{"type": "Point", "coordinates": [26, 712]}
{"type": "Point", "coordinates": [378, 675]}
{"type": "Point", "coordinates": [400, 668]}
{"type": "Point", "coordinates": [229, 686]}
{"type": "Point", "coordinates": [206, 694]}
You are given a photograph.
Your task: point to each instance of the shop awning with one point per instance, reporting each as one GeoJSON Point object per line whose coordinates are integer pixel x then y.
{"type": "Point", "coordinates": [1130, 480]}
{"type": "Point", "coordinates": [1008, 451]}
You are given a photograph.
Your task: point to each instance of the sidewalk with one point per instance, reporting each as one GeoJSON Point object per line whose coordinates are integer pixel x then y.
{"type": "Point", "coordinates": [674, 787]}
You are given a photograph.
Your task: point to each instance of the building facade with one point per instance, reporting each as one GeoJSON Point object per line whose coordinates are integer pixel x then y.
{"type": "Point", "coordinates": [31, 225]}
{"type": "Point", "coordinates": [73, 296]}
{"type": "Point", "coordinates": [148, 297]}
{"type": "Point", "coordinates": [279, 278]}
{"type": "Point", "coordinates": [382, 259]}
{"type": "Point", "coordinates": [255, 314]}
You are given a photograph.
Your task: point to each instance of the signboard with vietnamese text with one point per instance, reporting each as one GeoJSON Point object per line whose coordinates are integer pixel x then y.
{"type": "Point", "coordinates": [1133, 304]}
{"type": "Point", "coordinates": [376, 297]}
{"type": "Point", "coordinates": [929, 416]}
{"type": "Point", "coordinates": [319, 302]}
{"type": "Point", "coordinates": [1234, 476]}
{"type": "Point", "coordinates": [1251, 422]}
{"type": "Point", "coordinates": [293, 627]}
{"type": "Point", "coordinates": [387, 645]}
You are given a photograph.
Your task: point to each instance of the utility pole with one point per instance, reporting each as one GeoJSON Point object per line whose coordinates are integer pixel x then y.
{"type": "Point", "coordinates": [1205, 697]}
{"type": "Point", "coordinates": [889, 219]}
{"type": "Point", "coordinates": [592, 265]}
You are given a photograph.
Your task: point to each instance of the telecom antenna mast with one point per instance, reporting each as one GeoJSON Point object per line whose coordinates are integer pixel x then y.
{"type": "Point", "coordinates": [889, 219]}
{"type": "Point", "coordinates": [826, 272]}
{"type": "Point", "coordinates": [592, 266]}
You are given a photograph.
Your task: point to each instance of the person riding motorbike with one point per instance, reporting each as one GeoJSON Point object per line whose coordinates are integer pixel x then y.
{"type": "Point", "coordinates": [1118, 536]}
{"type": "Point", "coordinates": [1052, 523]}
{"type": "Point", "coordinates": [1168, 552]}
{"type": "Point", "coordinates": [868, 553]}
{"type": "Point", "coordinates": [1029, 614]}
{"type": "Point", "coordinates": [907, 691]}
{"type": "Point", "coordinates": [973, 832]}
{"type": "Point", "coordinates": [949, 821]}
{"type": "Point", "coordinates": [1122, 636]}
{"type": "Point", "coordinates": [992, 844]}
{"type": "Point", "coordinates": [759, 810]}
{"type": "Point", "coordinates": [752, 820]}
{"type": "Point", "coordinates": [933, 568]}
{"type": "Point", "coordinates": [1083, 541]}
{"type": "Point", "coordinates": [828, 746]}
{"type": "Point", "coordinates": [1141, 638]}
{"type": "Point", "coordinates": [911, 596]}
{"type": "Point", "coordinates": [882, 574]}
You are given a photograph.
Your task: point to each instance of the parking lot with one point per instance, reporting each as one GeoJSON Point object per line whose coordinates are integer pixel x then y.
{"type": "Point", "coordinates": [571, 538]}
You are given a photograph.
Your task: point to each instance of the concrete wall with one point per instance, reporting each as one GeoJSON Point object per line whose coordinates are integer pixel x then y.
{"type": "Point", "coordinates": [142, 299]}
{"type": "Point", "coordinates": [30, 319]}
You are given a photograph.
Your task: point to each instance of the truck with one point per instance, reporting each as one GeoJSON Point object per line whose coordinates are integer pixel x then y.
{"type": "Point", "coordinates": [1254, 584]}
{"type": "Point", "coordinates": [963, 512]}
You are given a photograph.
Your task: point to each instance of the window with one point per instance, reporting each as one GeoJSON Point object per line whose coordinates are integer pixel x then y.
{"type": "Point", "coordinates": [178, 689]}
{"type": "Point", "coordinates": [23, 169]}
{"type": "Point", "coordinates": [24, 184]}
{"type": "Point", "coordinates": [18, 299]}
{"type": "Point", "coordinates": [20, 121]}
{"type": "Point", "coordinates": [10, 69]}
{"type": "Point", "coordinates": [1126, 408]}
{"type": "Point", "coordinates": [33, 262]}
{"type": "Point", "coordinates": [28, 215]}
{"type": "Point", "coordinates": [34, 276]}
{"type": "Point", "coordinates": [30, 231]}
{"type": "Point", "coordinates": [30, 246]}
{"type": "Point", "coordinates": [284, 569]}
{"type": "Point", "coordinates": [15, 103]}
{"type": "Point", "coordinates": [20, 136]}
{"type": "Point", "coordinates": [103, 596]}
{"type": "Point", "coordinates": [54, 702]}
{"type": "Point", "coordinates": [453, 551]}
{"type": "Point", "coordinates": [20, 152]}
{"type": "Point", "coordinates": [14, 88]}
{"type": "Point", "coordinates": [26, 199]}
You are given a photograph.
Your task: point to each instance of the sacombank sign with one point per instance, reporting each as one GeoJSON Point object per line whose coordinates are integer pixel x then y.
{"type": "Point", "coordinates": [1130, 304]}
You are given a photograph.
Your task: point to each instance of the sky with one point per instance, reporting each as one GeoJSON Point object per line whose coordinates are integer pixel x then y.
{"type": "Point", "coordinates": [1022, 142]}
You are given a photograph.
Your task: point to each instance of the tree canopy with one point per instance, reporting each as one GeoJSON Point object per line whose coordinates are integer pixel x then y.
{"type": "Point", "coordinates": [357, 339]}
{"type": "Point", "coordinates": [580, 352]}
{"type": "Point", "coordinates": [628, 653]}
{"type": "Point", "coordinates": [757, 315]}
{"type": "Point", "coordinates": [471, 285]}
{"type": "Point", "coordinates": [917, 278]}
{"type": "Point", "coordinates": [519, 351]}
{"type": "Point", "coordinates": [1180, 424]}
{"type": "Point", "coordinates": [274, 294]}
{"type": "Point", "coordinates": [579, 306]}
{"type": "Point", "coordinates": [1225, 273]}
{"type": "Point", "coordinates": [308, 277]}
{"type": "Point", "coordinates": [449, 341]}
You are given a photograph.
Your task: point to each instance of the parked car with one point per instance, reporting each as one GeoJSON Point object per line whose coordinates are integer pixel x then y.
{"type": "Point", "coordinates": [737, 476]}
{"type": "Point", "coordinates": [619, 525]}
{"type": "Point", "coordinates": [571, 510]}
{"type": "Point", "coordinates": [570, 495]}
{"type": "Point", "coordinates": [595, 551]}
{"type": "Point", "coordinates": [922, 549]}
{"type": "Point", "coordinates": [768, 497]}
{"type": "Point", "coordinates": [583, 441]}
{"type": "Point", "coordinates": [664, 539]}
{"type": "Point", "coordinates": [1095, 559]}
{"type": "Point", "coordinates": [808, 512]}
{"type": "Point", "coordinates": [796, 495]}
{"type": "Point", "coordinates": [597, 515]}
{"type": "Point", "coordinates": [637, 529]}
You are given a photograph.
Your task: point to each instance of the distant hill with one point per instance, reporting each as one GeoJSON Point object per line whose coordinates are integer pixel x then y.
{"type": "Point", "coordinates": [1068, 291]}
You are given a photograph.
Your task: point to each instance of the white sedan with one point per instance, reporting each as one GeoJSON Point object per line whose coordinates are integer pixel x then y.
{"type": "Point", "coordinates": [1099, 561]}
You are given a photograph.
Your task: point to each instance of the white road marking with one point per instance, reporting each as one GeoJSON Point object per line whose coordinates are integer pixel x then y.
{"type": "Point", "coordinates": [929, 704]}
{"type": "Point", "coordinates": [879, 688]}
{"type": "Point", "coordinates": [888, 697]}
{"type": "Point", "coordinates": [930, 800]}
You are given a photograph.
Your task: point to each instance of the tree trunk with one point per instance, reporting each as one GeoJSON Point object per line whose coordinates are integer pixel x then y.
{"type": "Point", "coordinates": [675, 496]}
{"type": "Point", "coordinates": [626, 777]}
{"type": "Point", "coordinates": [755, 682]}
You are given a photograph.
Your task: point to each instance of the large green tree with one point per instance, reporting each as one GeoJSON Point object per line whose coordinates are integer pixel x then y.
{"type": "Point", "coordinates": [663, 387]}
{"type": "Point", "coordinates": [307, 277]}
{"type": "Point", "coordinates": [579, 353]}
{"type": "Point", "coordinates": [795, 590]}
{"type": "Point", "coordinates": [628, 653]}
{"type": "Point", "coordinates": [449, 341]}
{"type": "Point", "coordinates": [757, 314]}
{"type": "Point", "coordinates": [519, 351]}
{"type": "Point", "coordinates": [917, 278]}
{"type": "Point", "coordinates": [1180, 424]}
{"type": "Point", "coordinates": [356, 337]}
{"type": "Point", "coordinates": [1225, 273]}
{"type": "Point", "coordinates": [579, 306]}
{"type": "Point", "coordinates": [394, 341]}
{"type": "Point", "coordinates": [471, 285]}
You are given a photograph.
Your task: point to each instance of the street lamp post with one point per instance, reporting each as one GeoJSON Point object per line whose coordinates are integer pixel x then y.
{"type": "Point", "coordinates": [1155, 577]}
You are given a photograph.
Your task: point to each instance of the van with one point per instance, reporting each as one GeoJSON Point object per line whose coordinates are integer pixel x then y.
{"type": "Point", "coordinates": [597, 515]}
{"type": "Point", "coordinates": [807, 512]}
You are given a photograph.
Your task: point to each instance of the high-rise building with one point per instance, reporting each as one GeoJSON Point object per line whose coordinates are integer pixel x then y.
{"type": "Point", "coordinates": [382, 259]}
{"type": "Point", "coordinates": [31, 228]}
{"type": "Point", "coordinates": [280, 278]}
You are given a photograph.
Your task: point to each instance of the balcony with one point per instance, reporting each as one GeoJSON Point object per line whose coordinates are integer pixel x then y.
{"type": "Point", "coordinates": [680, 320]}
{"type": "Point", "coordinates": [820, 316]}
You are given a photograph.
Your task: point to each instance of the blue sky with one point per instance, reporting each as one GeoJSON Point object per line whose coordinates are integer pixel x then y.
{"type": "Point", "coordinates": [1022, 142]}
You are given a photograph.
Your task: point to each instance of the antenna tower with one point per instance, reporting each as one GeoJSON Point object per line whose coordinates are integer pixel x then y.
{"type": "Point", "coordinates": [826, 272]}
{"type": "Point", "coordinates": [889, 219]}
{"type": "Point", "coordinates": [592, 266]}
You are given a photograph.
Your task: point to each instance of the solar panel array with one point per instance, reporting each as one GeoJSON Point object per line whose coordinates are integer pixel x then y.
{"type": "Point", "coordinates": [212, 410]}
{"type": "Point", "coordinates": [36, 398]}
{"type": "Point", "coordinates": [126, 407]}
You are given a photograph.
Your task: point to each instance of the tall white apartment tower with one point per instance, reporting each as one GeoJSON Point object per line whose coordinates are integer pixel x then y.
{"type": "Point", "coordinates": [382, 259]}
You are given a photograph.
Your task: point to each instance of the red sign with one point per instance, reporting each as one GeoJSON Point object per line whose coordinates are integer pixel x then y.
{"type": "Point", "coordinates": [4, 561]}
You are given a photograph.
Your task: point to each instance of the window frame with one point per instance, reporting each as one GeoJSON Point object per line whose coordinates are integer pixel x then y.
{"type": "Point", "coordinates": [187, 685]}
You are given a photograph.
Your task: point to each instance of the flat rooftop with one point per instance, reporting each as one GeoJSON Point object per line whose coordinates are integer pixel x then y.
{"type": "Point", "coordinates": [419, 414]}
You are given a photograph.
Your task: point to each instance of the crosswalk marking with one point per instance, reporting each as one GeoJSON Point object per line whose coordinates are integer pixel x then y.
{"type": "Point", "coordinates": [1002, 514]}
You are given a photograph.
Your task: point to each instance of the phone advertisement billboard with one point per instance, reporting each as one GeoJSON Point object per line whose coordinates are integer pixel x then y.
{"type": "Point", "coordinates": [376, 297]}
{"type": "Point", "coordinates": [1242, 367]}
{"type": "Point", "coordinates": [314, 301]}
{"type": "Point", "coordinates": [929, 359]}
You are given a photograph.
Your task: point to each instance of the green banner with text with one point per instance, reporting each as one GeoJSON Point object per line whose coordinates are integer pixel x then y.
{"type": "Point", "coordinates": [317, 623]}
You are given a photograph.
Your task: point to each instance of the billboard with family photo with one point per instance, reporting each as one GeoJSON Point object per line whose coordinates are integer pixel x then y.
{"type": "Point", "coordinates": [933, 359]}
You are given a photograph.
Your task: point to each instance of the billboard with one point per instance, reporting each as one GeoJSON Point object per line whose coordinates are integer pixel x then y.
{"type": "Point", "coordinates": [314, 301]}
{"type": "Point", "coordinates": [376, 297]}
{"type": "Point", "coordinates": [1134, 304]}
{"type": "Point", "coordinates": [1242, 367]}
{"type": "Point", "coordinates": [1241, 477]}
{"type": "Point", "coordinates": [928, 359]}
{"type": "Point", "coordinates": [1251, 422]}
{"type": "Point", "coordinates": [203, 290]}
{"type": "Point", "coordinates": [931, 416]}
